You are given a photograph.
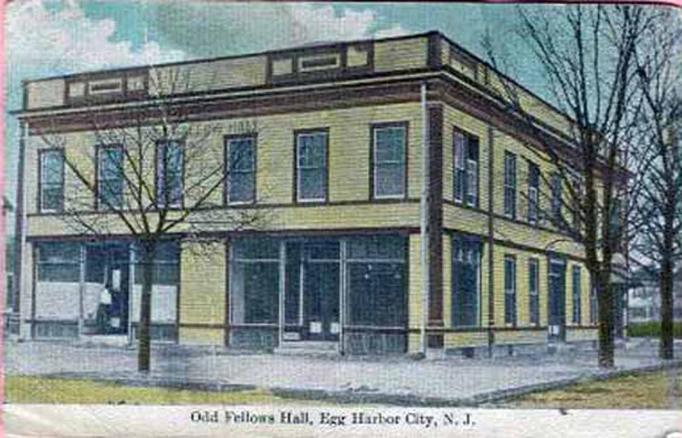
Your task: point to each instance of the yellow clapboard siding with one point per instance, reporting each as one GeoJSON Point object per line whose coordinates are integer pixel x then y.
{"type": "Point", "coordinates": [582, 334]}
{"type": "Point", "coordinates": [465, 339]}
{"type": "Point", "coordinates": [521, 337]}
{"type": "Point", "coordinates": [415, 296]}
{"type": "Point", "coordinates": [212, 75]}
{"type": "Point", "coordinates": [202, 286]}
{"type": "Point", "coordinates": [400, 54]}
{"type": "Point", "coordinates": [41, 94]}
{"type": "Point", "coordinates": [201, 336]}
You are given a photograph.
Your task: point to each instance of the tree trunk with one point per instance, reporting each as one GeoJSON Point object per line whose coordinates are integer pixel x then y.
{"type": "Point", "coordinates": [666, 290]}
{"type": "Point", "coordinates": [144, 328]}
{"type": "Point", "coordinates": [606, 322]}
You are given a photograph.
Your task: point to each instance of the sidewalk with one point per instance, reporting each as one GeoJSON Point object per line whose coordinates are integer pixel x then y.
{"type": "Point", "coordinates": [395, 380]}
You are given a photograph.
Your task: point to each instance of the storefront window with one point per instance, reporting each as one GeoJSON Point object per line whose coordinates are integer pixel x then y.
{"type": "Point", "coordinates": [376, 282]}
{"type": "Point", "coordinates": [254, 281]}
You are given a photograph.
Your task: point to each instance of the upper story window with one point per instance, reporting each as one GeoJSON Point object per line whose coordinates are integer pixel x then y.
{"type": "Point", "coordinates": [465, 155]}
{"type": "Point", "coordinates": [169, 173]}
{"type": "Point", "coordinates": [51, 180]}
{"type": "Point", "coordinates": [557, 200]}
{"type": "Point", "coordinates": [388, 156]}
{"type": "Point", "coordinates": [533, 192]}
{"type": "Point", "coordinates": [110, 177]}
{"type": "Point", "coordinates": [510, 184]}
{"type": "Point", "coordinates": [241, 168]}
{"type": "Point", "coordinates": [311, 166]}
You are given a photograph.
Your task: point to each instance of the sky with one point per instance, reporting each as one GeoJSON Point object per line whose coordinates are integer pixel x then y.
{"type": "Point", "coordinates": [49, 37]}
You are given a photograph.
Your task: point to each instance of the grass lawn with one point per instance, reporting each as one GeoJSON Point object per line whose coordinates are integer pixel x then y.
{"type": "Point", "coordinates": [655, 390]}
{"type": "Point", "coordinates": [19, 389]}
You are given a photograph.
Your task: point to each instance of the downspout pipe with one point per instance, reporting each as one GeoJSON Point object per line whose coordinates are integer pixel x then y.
{"type": "Point", "coordinates": [424, 222]}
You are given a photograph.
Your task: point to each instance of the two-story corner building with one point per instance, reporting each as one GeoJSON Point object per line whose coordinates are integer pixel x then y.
{"type": "Point", "coordinates": [404, 202]}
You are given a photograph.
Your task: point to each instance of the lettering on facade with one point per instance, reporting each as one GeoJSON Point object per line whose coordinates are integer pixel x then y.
{"type": "Point", "coordinates": [242, 127]}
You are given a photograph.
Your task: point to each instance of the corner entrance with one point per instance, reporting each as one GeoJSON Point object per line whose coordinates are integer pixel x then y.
{"type": "Point", "coordinates": [312, 291]}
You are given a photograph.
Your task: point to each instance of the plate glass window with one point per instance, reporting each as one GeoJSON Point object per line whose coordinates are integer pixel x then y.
{"type": "Point", "coordinates": [311, 166]}
{"type": "Point", "coordinates": [389, 162]}
{"type": "Point", "coordinates": [241, 177]}
{"type": "Point", "coordinates": [169, 171]}
{"type": "Point", "coordinates": [466, 286]}
{"type": "Point", "coordinates": [51, 180]}
{"type": "Point", "coordinates": [510, 185]}
{"type": "Point", "coordinates": [110, 177]}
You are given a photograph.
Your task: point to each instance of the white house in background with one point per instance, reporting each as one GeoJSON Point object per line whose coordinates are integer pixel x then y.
{"type": "Point", "coordinates": [644, 298]}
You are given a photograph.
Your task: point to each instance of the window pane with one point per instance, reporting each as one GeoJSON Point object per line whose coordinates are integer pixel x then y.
{"type": "Point", "coordinates": [52, 180]}
{"type": "Point", "coordinates": [254, 291]}
{"type": "Point", "coordinates": [255, 248]}
{"type": "Point", "coordinates": [241, 154]}
{"type": "Point", "coordinates": [311, 184]}
{"type": "Point", "coordinates": [376, 294]}
{"type": "Point", "coordinates": [389, 180]}
{"type": "Point", "coordinates": [390, 145]}
{"type": "Point", "coordinates": [389, 161]}
{"type": "Point", "coordinates": [576, 294]}
{"type": "Point", "coordinates": [465, 282]}
{"type": "Point", "coordinates": [472, 183]}
{"type": "Point", "coordinates": [311, 151]}
{"type": "Point", "coordinates": [52, 167]}
{"type": "Point", "coordinates": [510, 291]}
{"type": "Point", "coordinates": [169, 173]}
{"type": "Point", "coordinates": [241, 187]}
{"type": "Point", "coordinates": [59, 252]}
{"type": "Point", "coordinates": [384, 247]}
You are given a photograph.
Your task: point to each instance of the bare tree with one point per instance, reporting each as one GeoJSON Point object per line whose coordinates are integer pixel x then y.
{"type": "Point", "coordinates": [155, 172]}
{"type": "Point", "coordinates": [659, 203]}
{"type": "Point", "coordinates": [587, 54]}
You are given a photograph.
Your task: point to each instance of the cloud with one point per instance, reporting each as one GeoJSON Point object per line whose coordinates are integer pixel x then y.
{"type": "Point", "coordinates": [230, 28]}
{"type": "Point", "coordinates": [48, 38]}
{"type": "Point", "coordinates": [310, 22]}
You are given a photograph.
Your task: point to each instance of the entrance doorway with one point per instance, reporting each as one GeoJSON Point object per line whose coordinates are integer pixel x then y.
{"type": "Point", "coordinates": [107, 289]}
{"type": "Point", "coordinates": [312, 291]}
{"type": "Point", "coordinates": [557, 299]}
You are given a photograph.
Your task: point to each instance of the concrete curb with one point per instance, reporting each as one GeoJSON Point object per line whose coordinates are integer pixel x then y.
{"type": "Point", "coordinates": [359, 396]}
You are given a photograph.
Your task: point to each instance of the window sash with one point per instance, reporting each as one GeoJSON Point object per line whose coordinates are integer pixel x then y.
{"type": "Point", "coordinates": [472, 183]}
{"type": "Point", "coordinates": [311, 162]}
{"type": "Point", "coordinates": [533, 192]}
{"type": "Point", "coordinates": [241, 177]}
{"type": "Point", "coordinates": [465, 165]}
{"type": "Point", "coordinates": [533, 291]}
{"type": "Point", "coordinates": [459, 158]}
{"type": "Point", "coordinates": [577, 290]}
{"type": "Point", "coordinates": [169, 177]}
{"type": "Point", "coordinates": [51, 181]}
{"type": "Point", "coordinates": [510, 185]}
{"type": "Point", "coordinates": [389, 161]}
{"type": "Point", "coordinates": [509, 291]}
{"type": "Point", "coordinates": [556, 196]}
{"type": "Point", "coordinates": [110, 177]}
